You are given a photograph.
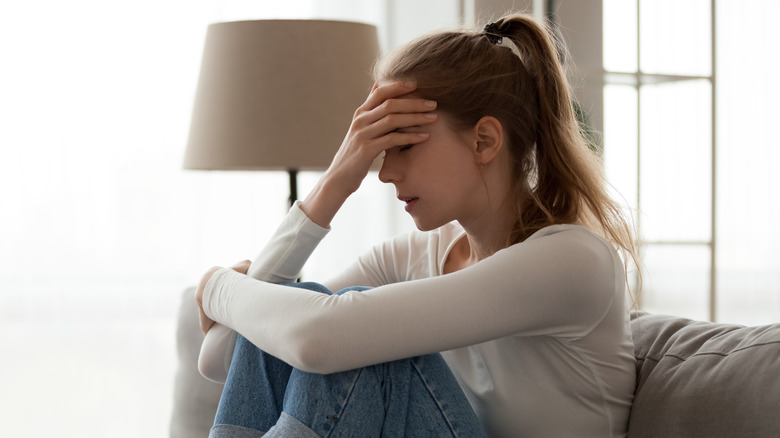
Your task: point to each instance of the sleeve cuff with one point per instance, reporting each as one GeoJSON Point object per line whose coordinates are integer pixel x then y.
{"type": "Point", "coordinates": [285, 254]}
{"type": "Point", "coordinates": [305, 224]}
{"type": "Point", "coordinates": [215, 301]}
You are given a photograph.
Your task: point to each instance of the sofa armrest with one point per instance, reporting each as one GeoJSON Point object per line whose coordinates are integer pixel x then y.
{"type": "Point", "coordinates": [195, 398]}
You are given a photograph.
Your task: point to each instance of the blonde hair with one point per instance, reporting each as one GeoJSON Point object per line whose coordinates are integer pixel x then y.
{"type": "Point", "coordinates": [557, 178]}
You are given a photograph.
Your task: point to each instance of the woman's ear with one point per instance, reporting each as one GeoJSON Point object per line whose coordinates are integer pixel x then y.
{"type": "Point", "coordinates": [489, 136]}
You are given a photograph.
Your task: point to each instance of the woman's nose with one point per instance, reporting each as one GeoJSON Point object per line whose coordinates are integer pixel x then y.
{"type": "Point", "coordinates": [389, 173]}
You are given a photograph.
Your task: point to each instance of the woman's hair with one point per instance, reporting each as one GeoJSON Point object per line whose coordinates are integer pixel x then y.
{"type": "Point", "coordinates": [557, 178]}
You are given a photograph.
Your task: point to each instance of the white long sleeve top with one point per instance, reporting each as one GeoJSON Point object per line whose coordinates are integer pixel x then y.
{"type": "Point", "coordinates": [537, 334]}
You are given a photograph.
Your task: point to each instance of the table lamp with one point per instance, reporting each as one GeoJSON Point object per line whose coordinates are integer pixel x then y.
{"type": "Point", "coordinates": [278, 94]}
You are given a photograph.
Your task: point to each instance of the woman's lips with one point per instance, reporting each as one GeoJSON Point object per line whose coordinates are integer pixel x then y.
{"type": "Point", "coordinates": [409, 200]}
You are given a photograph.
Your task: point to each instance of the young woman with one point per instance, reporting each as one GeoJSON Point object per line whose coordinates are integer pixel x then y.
{"type": "Point", "coordinates": [506, 315]}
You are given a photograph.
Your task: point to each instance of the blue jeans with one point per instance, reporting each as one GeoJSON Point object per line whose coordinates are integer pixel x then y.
{"type": "Point", "coordinates": [416, 397]}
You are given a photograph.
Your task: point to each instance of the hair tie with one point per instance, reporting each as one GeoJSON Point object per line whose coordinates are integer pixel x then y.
{"type": "Point", "coordinates": [493, 33]}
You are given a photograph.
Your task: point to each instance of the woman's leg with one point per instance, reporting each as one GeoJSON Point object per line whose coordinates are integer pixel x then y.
{"type": "Point", "coordinates": [409, 397]}
{"type": "Point", "coordinates": [416, 397]}
{"type": "Point", "coordinates": [254, 391]}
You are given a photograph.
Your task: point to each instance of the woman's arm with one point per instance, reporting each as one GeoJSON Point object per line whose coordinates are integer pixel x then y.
{"type": "Point", "coordinates": [373, 130]}
{"type": "Point", "coordinates": [280, 261]}
{"type": "Point", "coordinates": [558, 284]}
{"type": "Point", "coordinates": [378, 266]}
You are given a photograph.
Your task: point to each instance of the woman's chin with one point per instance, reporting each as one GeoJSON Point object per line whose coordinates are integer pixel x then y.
{"type": "Point", "coordinates": [423, 225]}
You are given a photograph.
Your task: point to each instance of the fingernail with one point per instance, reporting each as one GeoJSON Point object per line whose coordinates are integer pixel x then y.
{"type": "Point", "coordinates": [430, 103]}
{"type": "Point", "coordinates": [430, 115]}
{"type": "Point", "coordinates": [423, 134]}
{"type": "Point", "coordinates": [410, 84]}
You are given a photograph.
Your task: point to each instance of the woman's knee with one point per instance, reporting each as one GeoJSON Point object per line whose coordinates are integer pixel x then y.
{"type": "Point", "coordinates": [312, 286]}
{"type": "Point", "coordinates": [317, 287]}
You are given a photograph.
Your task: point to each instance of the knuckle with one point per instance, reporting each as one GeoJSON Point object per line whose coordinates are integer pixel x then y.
{"type": "Point", "coordinates": [390, 120]}
{"type": "Point", "coordinates": [386, 106]}
{"type": "Point", "coordinates": [358, 120]}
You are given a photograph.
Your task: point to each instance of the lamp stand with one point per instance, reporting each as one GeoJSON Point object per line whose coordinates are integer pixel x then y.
{"type": "Point", "coordinates": [293, 174]}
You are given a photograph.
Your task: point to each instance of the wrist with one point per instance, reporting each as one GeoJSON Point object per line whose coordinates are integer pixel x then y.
{"type": "Point", "coordinates": [324, 201]}
{"type": "Point", "coordinates": [201, 297]}
{"type": "Point", "coordinates": [203, 286]}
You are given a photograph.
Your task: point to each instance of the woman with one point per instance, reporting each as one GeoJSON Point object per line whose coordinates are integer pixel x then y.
{"type": "Point", "coordinates": [514, 276]}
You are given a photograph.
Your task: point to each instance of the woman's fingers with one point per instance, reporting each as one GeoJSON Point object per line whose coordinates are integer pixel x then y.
{"type": "Point", "coordinates": [204, 321]}
{"type": "Point", "coordinates": [395, 121]}
{"type": "Point", "coordinates": [387, 90]}
{"type": "Point", "coordinates": [406, 104]}
{"type": "Point", "coordinates": [394, 139]}
{"type": "Point", "coordinates": [242, 267]}
{"type": "Point", "coordinates": [397, 113]}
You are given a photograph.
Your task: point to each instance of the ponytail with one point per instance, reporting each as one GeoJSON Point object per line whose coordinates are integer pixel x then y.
{"type": "Point", "coordinates": [569, 182]}
{"type": "Point", "coordinates": [566, 174]}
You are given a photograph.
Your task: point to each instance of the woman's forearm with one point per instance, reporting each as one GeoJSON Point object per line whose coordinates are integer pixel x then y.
{"type": "Point", "coordinates": [288, 250]}
{"type": "Point", "coordinates": [376, 127]}
{"type": "Point", "coordinates": [560, 283]}
{"type": "Point", "coordinates": [323, 202]}
{"type": "Point", "coordinates": [216, 353]}
{"type": "Point", "coordinates": [279, 262]}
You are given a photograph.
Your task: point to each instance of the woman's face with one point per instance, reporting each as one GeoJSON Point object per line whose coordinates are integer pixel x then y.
{"type": "Point", "coordinates": [438, 180]}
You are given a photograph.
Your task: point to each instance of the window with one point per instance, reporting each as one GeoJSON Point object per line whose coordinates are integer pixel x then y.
{"type": "Point", "coordinates": [688, 104]}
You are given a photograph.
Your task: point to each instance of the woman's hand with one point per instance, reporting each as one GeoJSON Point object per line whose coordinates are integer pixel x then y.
{"type": "Point", "coordinates": [205, 322]}
{"type": "Point", "coordinates": [373, 130]}
{"type": "Point", "coordinates": [390, 107]}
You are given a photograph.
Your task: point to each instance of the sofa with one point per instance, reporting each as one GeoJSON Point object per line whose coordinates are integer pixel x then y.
{"type": "Point", "coordinates": [694, 379]}
{"type": "Point", "coordinates": [702, 379]}
{"type": "Point", "coordinates": [195, 399]}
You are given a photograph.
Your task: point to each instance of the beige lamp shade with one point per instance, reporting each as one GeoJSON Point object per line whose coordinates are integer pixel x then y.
{"type": "Point", "coordinates": [278, 94]}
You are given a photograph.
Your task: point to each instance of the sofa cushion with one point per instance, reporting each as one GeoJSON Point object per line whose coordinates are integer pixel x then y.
{"type": "Point", "coordinates": [700, 379]}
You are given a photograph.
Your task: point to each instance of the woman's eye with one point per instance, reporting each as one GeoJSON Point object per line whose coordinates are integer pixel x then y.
{"type": "Point", "coordinates": [405, 148]}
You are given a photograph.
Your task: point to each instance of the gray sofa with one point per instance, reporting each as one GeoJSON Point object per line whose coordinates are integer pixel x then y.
{"type": "Point", "coordinates": [694, 379]}
{"type": "Point", "coordinates": [700, 379]}
{"type": "Point", "coordinates": [195, 399]}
